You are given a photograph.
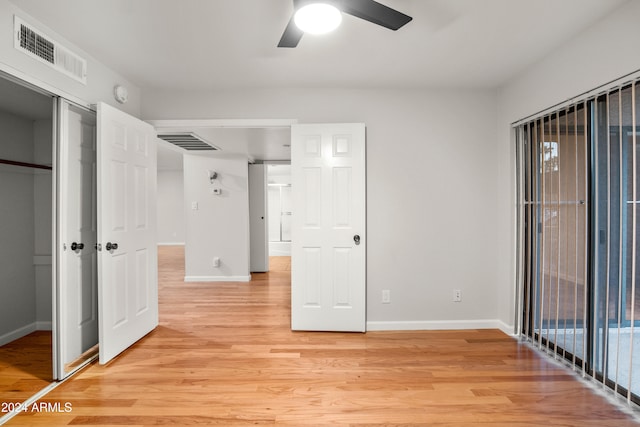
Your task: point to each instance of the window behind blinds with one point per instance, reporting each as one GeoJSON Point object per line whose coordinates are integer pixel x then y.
{"type": "Point", "coordinates": [578, 215]}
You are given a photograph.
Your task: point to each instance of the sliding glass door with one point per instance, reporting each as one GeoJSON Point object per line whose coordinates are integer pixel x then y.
{"type": "Point", "coordinates": [579, 235]}
{"type": "Point", "coordinates": [616, 308]}
{"type": "Point", "coordinates": [556, 210]}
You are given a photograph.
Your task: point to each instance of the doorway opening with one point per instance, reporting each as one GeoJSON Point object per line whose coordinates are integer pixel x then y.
{"type": "Point", "coordinates": [330, 168]}
{"type": "Point", "coordinates": [26, 212]}
{"type": "Point", "coordinates": [279, 209]}
{"type": "Point", "coordinates": [256, 141]}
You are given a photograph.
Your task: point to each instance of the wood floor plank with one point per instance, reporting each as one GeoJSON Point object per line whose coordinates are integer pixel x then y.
{"type": "Point", "coordinates": [25, 366]}
{"type": "Point", "coordinates": [224, 354]}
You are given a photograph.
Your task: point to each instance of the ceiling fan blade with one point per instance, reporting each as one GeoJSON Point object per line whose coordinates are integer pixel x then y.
{"type": "Point", "coordinates": [291, 36]}
{"type": "Point", "coordinates": [372, 11]}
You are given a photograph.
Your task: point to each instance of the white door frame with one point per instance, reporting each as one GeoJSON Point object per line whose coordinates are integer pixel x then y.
{"type": "Point", "coordinates": [195, 124]}
{"type": "Point", "coordinates": [26, 80]}
{"type": "Point", "coordinates": [191, 125]}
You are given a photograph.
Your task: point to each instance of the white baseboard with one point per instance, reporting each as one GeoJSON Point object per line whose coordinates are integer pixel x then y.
{"type": "Point", "coordinates": [171, 244]}
{"type": "Point", "coordinates": [43, 326]}
{"type": "Point", "coordinates": [507, 329]}
{"type": "Point", "coordinates": [279, 248]}
{"type": "Point", "coordinates": [217, 278]}
{"type": "Point", "coordinates": [279, 253]}
{"type": "Point", "coordinates": [431, 325]}
{"type": "Point", "coordinates": [18, 333]}
{"type": "Point", "coordinates": [24, 331]}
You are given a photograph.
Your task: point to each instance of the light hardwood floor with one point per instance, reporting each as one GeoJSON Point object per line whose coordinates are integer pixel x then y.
{"type": "Point", "coordinates": [25, 367]}
{"type": "Point", "coordinates": [224, 354]}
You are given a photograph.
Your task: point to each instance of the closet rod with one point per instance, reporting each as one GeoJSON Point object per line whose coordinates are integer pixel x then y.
{"type": "Point", "coordinates": [23, 164]}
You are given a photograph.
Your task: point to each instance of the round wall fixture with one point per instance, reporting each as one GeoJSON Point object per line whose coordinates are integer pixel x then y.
{"type": "Point", "coordinates": [121, 94]}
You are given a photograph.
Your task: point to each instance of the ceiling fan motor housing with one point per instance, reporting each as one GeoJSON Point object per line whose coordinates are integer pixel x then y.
{"type": "Point", "coordinates": [369, 10]}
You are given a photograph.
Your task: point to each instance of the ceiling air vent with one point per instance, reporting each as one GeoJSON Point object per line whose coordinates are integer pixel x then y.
{"type": "Point", "coordinates": [188, 141]}
{"type": "Point", "coordinates": [36, 44]}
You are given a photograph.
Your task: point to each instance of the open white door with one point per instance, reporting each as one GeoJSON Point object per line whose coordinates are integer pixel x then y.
{"type": "Point", "coordinates": [128, 259]}
{"type": "Point", "coordinates": [76, 330]}
{"type": "Point", "coordinates": [328, 265]}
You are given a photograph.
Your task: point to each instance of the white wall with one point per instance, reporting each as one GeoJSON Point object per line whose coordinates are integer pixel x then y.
{"type": "Point", "coordinates": [42, 229]}
{"type": "Point", "coordinates": [602, 53]}
{"type": "Point", "coordinates": [100, 79]}
{"type": "Point", "coordinates": [220, 225]}
{"type": "Point", "coordinates": [279, 174]}
{"type": "Point", "coordinates": [440, 165]}
{"type": "Point", "coordinates": [28, 304]}
{"type": "Point", "coordinates": [25, 227]}
{"type": "Point", "coordinates": [432, 173]}
{"type": "Point", "coordinates": [17, 278]}
{"type": "Point", "coordinates": [171, 218]}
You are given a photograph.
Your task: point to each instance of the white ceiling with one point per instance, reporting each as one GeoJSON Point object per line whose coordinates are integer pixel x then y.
{"type": "Point", "coordinates": [223, 44]}
{"type": "Point", "coordinates": [200, 44]}
{"type": "Point", "coordinates": [267, 144]}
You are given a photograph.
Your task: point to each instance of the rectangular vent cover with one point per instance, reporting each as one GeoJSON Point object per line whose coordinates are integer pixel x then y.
{"type": "Point", "coordinates": [188, 141]}
{"type": "Point", "coordinates": [37, 45]}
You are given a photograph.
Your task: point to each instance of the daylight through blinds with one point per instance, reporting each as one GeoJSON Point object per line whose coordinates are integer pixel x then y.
{"type": "Point", "coordinates": [578, 257]}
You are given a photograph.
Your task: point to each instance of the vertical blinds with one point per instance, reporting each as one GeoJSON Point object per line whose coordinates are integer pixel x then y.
{"type": "Point", "coordinates": [578, 258]}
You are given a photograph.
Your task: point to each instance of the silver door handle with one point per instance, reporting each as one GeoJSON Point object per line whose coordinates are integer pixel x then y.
{"type": "Point", "coordinates": [111, 246]}
{"type": "Point", "coordinates": [356, 239]}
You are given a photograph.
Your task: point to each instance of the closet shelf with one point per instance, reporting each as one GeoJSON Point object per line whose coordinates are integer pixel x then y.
{"type": "Point", "coordinates": [23, 164]}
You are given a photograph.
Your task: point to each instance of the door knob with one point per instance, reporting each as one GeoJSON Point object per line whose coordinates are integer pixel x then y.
{"type": "Point", "coordinates": [356, 239]}
{"type": "Point", "coordinates": [77, 246]}
{"type": "Point", "coordinates": [111, 246]}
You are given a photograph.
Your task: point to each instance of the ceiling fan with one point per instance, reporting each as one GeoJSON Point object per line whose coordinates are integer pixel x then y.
{"type": "Point", "coordinates": [369, 10]}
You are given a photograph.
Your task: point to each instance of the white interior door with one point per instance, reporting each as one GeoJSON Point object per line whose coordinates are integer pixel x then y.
{"type": "Point", "coordinates": [259, 252]}
{"type": "Point", "coordinates": [77, 310]}
{"type": "Point", "coordinates": [127, 262]}
{"type": "Point", "coordinates": [328, 276]}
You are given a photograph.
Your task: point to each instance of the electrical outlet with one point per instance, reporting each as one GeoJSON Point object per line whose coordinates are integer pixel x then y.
{"type": "Point", "coordinates": [216, 261]}
{"type": "Point", "coordinates": [386, 296]}
{"type": "Point", "coordinates": [457, 295]}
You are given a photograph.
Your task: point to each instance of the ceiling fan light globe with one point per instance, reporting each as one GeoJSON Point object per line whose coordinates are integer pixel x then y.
{"type": "Point", "coordinates": [318, 18]}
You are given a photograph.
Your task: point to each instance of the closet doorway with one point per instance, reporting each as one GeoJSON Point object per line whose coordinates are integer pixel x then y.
{"type": "Point", "coordinates": [26, 218]}
{"type": "Point", "coordinates": [48, 266]}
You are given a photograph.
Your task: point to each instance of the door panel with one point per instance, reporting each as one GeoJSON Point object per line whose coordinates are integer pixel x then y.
{"type": "Point", "coordinates": [77, 315]}
{"type": "Point", "coordinates": [328, 196]}
{"type": "Point", "coordinates": [128, 285]}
